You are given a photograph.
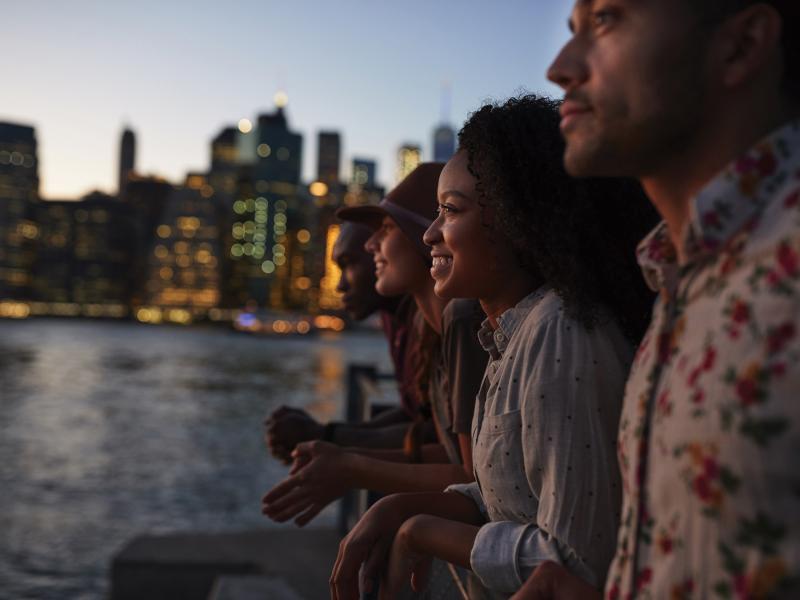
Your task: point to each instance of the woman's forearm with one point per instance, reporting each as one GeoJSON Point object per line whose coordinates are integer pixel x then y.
{"type": "Point", "coordinates": [445, 539]}
{"type": "Point", "coordinates": [447, 505]}
{"type": "Point", "coordinates": [391, 477]}
{"type": "Point", "coordinates": [431, 453]}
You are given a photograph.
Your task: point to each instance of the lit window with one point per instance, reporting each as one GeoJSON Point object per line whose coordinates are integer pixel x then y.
{"type": "Point", "coordinates": [164, 231]}
{"type": "Point", "coordinates": [318, 188]}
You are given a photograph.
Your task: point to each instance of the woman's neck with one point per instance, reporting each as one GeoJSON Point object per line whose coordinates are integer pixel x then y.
{"type": "Point", "coordinates": [431, 306]}
{"type": "Point", "coordinates": [514, 290]}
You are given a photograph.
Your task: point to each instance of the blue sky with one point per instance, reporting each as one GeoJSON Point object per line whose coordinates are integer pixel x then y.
{"type": "Point", "coordinates": [178, 72]}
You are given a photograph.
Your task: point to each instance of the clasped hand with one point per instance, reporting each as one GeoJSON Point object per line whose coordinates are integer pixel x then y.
{"type": "Point", "coordinates": [315, 480]}
{"type": "Point", "coordinates": [287, 427]}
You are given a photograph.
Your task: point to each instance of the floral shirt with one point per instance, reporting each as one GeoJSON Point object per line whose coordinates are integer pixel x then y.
{"type": "Point", "coordinates": [710, 427]}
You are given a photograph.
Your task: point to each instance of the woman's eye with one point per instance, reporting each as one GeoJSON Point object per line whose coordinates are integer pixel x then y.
{"type": "Point", "coordinates": [442, 208]}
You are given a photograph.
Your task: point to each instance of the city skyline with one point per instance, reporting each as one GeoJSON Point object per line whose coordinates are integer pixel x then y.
{"type": "Point", "coordinates": [375, 74]}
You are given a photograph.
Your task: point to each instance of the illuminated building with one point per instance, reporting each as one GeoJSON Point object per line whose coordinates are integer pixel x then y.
{"type": "Point", "coordinates": [224, 162]}
{"type": "Point", "coordinates": [278, 149]}
{"type": "Point", "coordinates": [444, 143]}
{"type": "Point", "coordinates": [408, 157]}
{"type": "Point", "coordinates": [183, 276]}
{"type": "Point", "coordinates": [223, 177]}
{"type": "Point", "coordinates": [127, 158]}
{"type": "Point", "coordinates": [329, 298]}
{"type": "Point", "coordinates": [86, 255]}
{"type": "Point", "coordinates": [362, 188]}
{"type": "Point", "coordinates": [147, 197]}
{"type": "Point", "coordinates": [19, 192]}
{"type": "Point", "coordinates": [328, 157]}
{"type": "Point", "coordinates": [269, 206]}
{"type": "Point", "coordinates": [363, 172]}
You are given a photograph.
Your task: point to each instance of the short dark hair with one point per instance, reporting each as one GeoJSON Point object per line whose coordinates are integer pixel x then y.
{"type": "Point", "coordinates": [579, 236]}
{"type": "Point", "coordinates": [715, 11]}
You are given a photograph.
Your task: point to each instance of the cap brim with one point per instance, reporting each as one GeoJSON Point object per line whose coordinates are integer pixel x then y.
{"type": "Point", "coordinates": [371, 216]}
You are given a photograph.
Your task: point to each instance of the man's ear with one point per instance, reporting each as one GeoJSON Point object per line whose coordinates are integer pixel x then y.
{"type": "Point", "coordinates": [749, 45]}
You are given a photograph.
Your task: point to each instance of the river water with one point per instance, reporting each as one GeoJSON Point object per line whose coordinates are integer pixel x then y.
{"type": "Point", "coordinates": [110, 430]}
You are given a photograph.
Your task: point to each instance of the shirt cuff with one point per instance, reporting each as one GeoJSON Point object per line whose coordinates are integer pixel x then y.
{"type": "Point", "coordinates": [505, 553]}
{"type": "Point", "coordinates": [471, 491]}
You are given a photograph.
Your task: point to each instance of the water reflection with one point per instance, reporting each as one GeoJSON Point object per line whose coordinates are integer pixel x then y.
{"type": "Point", "coordinates": [108, 430]}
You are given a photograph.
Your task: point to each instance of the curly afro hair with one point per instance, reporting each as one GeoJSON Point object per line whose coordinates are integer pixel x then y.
{"type": "Point", "coordinates": [579, 235]}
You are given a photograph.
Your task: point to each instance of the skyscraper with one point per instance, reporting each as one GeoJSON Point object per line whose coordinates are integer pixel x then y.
{"type": "Point", "coordinates": [444, 136]}
{"type": "Point", "coordinates": [127, 158]}
{"type": "Point", "coordinates": [19, 194]}
{"type": "Point", "coordinates": [363, 172]}
{"type": "Point", "coordinates": [267, 210]}
{"type": "Point", "coordinates": [86, 257]}
{"type": "Point", "coordinates": [362, 188]}
{"type": "Point", "coordinates": [278, 149]}
{"type": "Point", "coordinates": [183, 274]}
{"type": "Point", "coordinates": [444, 143]}
{"type": "Point", "coordinates": [408, 157]}
{"type": "Point", "coordinates": [328, 157]}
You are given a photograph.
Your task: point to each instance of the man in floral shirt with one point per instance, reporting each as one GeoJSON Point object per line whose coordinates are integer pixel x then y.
{"type": "Point", "coordinates": [700, 99]}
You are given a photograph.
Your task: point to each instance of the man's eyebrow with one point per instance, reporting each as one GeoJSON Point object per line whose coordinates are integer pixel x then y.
{"type": "Point", "coordinates": [580, 6]}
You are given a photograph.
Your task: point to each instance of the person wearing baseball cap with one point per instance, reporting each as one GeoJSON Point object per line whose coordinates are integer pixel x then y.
{"type": "Point", "coordinates": [451, 364]}
{"type": "Point", "coordinates": [411, 205]}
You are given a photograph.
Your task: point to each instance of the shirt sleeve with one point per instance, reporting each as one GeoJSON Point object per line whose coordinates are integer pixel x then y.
{"type": "Point", "coordinates": [569, 408]}
{"type": "Point", "coordinates": [465, 360]}
{"type": "Point", "coordinates": [471, 491]}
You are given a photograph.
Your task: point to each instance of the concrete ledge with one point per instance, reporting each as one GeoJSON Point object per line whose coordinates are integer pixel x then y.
{"type": "Point", "coordinates": [185, 566]}
{"type": "Point", "coordinates": [252, 587]}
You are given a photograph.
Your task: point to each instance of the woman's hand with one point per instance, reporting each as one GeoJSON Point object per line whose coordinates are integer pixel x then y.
{"type": "Point", "coordinates": [318, 477]}
{"type": "Point", "coordinates": [406, 562]}
{"type": "Point", "coordinates": [368, 543]}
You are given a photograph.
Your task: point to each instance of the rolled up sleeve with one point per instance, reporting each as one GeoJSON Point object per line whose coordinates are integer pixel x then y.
{"type": "Point", "coordinates": [505, 553]}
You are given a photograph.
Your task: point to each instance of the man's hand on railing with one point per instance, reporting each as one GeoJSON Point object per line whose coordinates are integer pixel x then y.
{"type": "Point", "coordinates": [285, 428]}
{"type": "Point", "coordinates": [317, 478]}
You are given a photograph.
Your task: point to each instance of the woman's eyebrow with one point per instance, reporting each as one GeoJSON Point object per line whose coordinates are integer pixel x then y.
{"type": "Point", "coordinates": [447, 193]}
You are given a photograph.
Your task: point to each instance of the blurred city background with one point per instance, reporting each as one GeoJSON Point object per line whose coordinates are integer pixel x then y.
{"type": "Point", "coordinates": [169, 174]}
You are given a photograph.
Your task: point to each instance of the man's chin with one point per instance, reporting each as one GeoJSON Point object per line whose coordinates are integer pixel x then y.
{"type": "Point", "coordinates": [580, 162]}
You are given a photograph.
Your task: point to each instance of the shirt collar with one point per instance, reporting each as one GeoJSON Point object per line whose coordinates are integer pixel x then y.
{"type": "Point", "coordinates": [729, 204]}
{"type": "Point", "coordinates": [495, 341]}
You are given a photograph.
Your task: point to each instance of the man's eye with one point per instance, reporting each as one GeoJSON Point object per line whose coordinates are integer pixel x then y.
{"type": "Point", "coordinates": [603, 18]}
{"type": "Point", "coordinates": [443, 209]}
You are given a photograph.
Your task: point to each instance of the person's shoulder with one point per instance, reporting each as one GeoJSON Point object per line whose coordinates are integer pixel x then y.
{"type": "Point", "coordinates": [548, 310]}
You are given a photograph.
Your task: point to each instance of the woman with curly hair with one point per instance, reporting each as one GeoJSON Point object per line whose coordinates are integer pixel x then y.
{"type": "Point", "coordinates": [551, 260]}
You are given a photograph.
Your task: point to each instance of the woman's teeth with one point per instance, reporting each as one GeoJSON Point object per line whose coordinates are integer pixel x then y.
{"type": "Point", "coordinates": [442, 261]}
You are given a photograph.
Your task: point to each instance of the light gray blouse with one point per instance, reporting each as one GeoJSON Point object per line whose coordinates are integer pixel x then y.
{"type": "Point", "coordinates": [544, 444]}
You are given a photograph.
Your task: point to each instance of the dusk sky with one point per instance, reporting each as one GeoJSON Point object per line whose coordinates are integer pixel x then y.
{"type": "Point", "coordinates": [177, 72]}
